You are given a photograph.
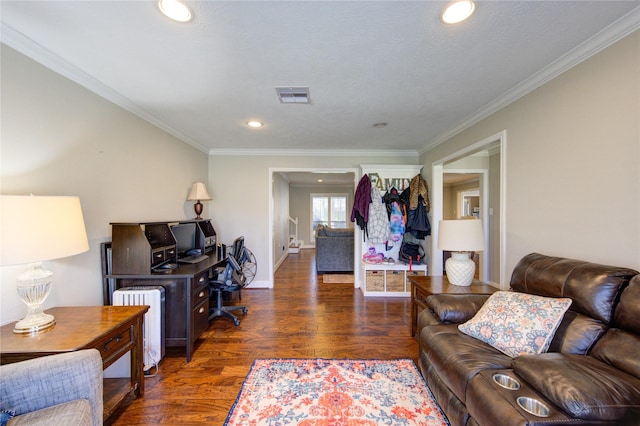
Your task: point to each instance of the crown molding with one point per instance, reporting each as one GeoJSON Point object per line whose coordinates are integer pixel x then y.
{"type": "Point", "coordinates": [595, 44]}
{"type": "Point", "coordinates": [315, 152]}
{"type": "Point", "coordinates": [614, 32]}
{"type": "Point", "coordinates": [47, 58]}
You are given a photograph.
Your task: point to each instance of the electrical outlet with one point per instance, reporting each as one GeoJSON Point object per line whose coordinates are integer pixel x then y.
{"type": "Point", "coordinates": [282, 248]}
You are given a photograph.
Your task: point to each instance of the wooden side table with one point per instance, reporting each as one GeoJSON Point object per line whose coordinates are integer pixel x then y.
{"type": "Point", "coordinates": [424, 286]}
{"type": "Point", "coordinates": [113, 330]}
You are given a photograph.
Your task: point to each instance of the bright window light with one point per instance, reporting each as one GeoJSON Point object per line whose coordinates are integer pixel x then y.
{"type": "Point", "coordinates": [175, 10]}
{"type": "Point", "coordinates": [458, 11]}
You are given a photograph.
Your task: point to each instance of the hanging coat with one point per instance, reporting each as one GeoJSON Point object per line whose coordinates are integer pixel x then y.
{"type": "Point", "coordinates": [391, 196]}
{"type": "Point", "coordinates": [418, 187]}
{"type": "Point", "coordinates": [419, 227]}
{"type": "Point", "coordinates": [396, 222]}
{"type": "Point", "coordinates": [378, 225]}
{"type": "Point", "coordinates": [361, 201]}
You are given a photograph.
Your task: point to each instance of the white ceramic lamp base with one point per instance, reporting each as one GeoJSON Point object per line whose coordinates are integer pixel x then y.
{"type": "Point", "coordinates": [460, 269]}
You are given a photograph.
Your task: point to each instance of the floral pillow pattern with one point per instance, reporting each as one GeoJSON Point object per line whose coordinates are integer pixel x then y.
{"type": "Point", "coordinates": [517, 323]}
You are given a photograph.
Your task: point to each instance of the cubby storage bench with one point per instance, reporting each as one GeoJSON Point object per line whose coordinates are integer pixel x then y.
{"type": "Point", "coordinates": [389, 280]}
{"type": "Point", "coordinates": [380, 279]}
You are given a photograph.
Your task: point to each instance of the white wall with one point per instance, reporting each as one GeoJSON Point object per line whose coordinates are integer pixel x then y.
{"type": "Point", "coordinates": [240, 185]}
{"type": "Point", "coordinates": [573, 161]}
{"type": "Point", "coordinates": [61, 139]}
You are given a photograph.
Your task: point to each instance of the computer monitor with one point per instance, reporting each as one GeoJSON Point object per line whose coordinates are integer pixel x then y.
{"type": "Point", "coordinates": [185, 235]}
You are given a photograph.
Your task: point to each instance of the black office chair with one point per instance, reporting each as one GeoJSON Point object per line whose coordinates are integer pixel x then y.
{"type": "Point", "coordinates": [230, 280]}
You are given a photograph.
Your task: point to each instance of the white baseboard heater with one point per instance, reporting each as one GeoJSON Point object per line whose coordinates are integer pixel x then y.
{"type": "Point", "coordinates": [153, 329]}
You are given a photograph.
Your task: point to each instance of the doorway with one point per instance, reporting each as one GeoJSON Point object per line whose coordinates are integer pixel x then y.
{"type": "Point", "coordinates": [470, 204]}
{"type": "Point", "coordinates": [492, 190]}
{"type": "Point", "coordinates": [287, 183]}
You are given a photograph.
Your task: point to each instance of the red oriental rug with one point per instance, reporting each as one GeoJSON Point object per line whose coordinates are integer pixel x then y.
{"type": "Point", "coordinates": [335, 392]}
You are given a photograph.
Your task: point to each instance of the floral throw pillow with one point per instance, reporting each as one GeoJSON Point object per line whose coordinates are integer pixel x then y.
{"type": "Point", "coordinates": [517, 323]}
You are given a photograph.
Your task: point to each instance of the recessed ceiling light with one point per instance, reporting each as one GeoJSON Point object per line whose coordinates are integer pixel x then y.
{"type": "Point", "coordinates": [255, 124]}
{"type": "Point", "coordinates": [175, 10]}
{"type": "Point", "coordinates": [458, 11]}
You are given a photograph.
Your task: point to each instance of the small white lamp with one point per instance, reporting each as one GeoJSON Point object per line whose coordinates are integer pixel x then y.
{"type": "Point", "coordinates": [35, 229]}
{"type": "Point", "coordinates": [198, 192]}
{"type": "Point", "coordinates": [460, 237]}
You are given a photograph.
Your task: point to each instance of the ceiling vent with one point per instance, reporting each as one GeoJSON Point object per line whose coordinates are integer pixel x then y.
{"type": "Point", "coordinates": [293, 95]}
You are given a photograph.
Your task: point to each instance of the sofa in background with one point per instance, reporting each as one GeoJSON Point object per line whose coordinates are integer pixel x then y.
{"type": "Point", "coordinates": [334, 249]}
{"type": "Point", "coordinates": [63, 389]}
{"type": "Point", "coordinates": [588, 375]}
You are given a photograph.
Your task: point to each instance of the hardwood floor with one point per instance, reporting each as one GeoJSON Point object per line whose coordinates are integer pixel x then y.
{"type": "Point", "coordinates": [299, 318]}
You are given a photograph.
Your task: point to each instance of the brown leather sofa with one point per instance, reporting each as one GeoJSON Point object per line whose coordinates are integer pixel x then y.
{"type": "Point", "coordinates": [590, 374]}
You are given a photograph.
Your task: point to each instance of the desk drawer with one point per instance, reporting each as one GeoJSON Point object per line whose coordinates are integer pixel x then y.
{"type": "Point", "coordinates": [421, 294]}
{"type": "Point", "coordinates": [157, 257]}
{"type": "Point", "coordinates": [199, 295]}
{"type": "Point", "coordinates": [170, 253]}
{"type": "Point", "coordinates": [200, 319]}
{"type": "Point", "coordinates": [114, 345]}
{"type": "Point", "coordinates": [200, 288]}
{"type": "Point", "coordinates": [199, 280]}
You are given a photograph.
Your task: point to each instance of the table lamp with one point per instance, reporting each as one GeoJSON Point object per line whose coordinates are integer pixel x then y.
{"type": "Point", "coordinates": [35, 229]}
{"type": "Point", "coordinates": [460, 237]}
{"type": "Point", "coordinates": [198, 192]}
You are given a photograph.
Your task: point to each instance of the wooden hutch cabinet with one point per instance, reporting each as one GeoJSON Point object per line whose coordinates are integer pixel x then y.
{"type": "Point", "coordinates": [146, 254]}
{"type": "Point", "coordinates": [140, 248]}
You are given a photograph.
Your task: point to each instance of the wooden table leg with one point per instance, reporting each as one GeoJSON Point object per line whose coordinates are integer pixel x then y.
{"type": "Point", "coordinates": [137, 358]}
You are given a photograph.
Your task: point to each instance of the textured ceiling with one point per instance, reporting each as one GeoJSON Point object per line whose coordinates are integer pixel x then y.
{"type": "Point", "coordinates": [365, 62]}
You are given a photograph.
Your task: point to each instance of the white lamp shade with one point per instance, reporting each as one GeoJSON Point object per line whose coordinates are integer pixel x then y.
{"type": "Point", "coordinates": [198, 192]}
{"type": "Point", "coordinates": [40, 228]}
{"type": "Point", "coordinates": [461, 235]}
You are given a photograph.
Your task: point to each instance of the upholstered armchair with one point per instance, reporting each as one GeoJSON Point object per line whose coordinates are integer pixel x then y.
{"type": "Point", "coordinates": [63, 389]}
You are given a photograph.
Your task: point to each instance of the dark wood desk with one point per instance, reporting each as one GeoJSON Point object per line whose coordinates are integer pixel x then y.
{"type": "Point", "coordinates": [186, 298]}
{"type": "Point", "coordinates": [113, 330]}
{"type": "Point", "coordinates": [424, 286]}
